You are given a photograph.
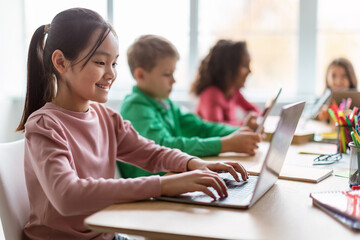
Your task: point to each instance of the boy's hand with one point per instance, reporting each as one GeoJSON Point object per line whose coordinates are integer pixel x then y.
{"type": "Point", "coordinates": [240, 141]}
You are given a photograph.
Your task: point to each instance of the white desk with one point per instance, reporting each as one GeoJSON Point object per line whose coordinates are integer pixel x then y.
{"type": "Point", "coordinates": [284, 212]}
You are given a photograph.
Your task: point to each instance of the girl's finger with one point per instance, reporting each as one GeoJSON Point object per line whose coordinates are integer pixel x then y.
{"type": "Point", "coordinates": [216, 185]}
{"type": "Point", "coordinates": [207, 191]}
{"type": "Point", "coordinates": [240, 169]}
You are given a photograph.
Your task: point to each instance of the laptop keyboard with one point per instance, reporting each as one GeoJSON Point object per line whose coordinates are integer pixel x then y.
{"type": "Point", "coordinates": [238, 190]}
{"type": "Point", "coordinates": [239, 193]}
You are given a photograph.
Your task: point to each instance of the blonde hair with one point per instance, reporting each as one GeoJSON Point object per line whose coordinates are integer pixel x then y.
{"type": "Point", "coordinates": [147, 50]}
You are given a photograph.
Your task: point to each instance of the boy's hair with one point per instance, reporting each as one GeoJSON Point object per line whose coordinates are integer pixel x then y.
{"type": "Point", "coordinates": [147, 50]}
{"type": "Point", "coordinates": [69, 32]}
{"type": "Point", "coordinates": [349, 69]}
{"type": "Point", "coordinates": [220, 67]}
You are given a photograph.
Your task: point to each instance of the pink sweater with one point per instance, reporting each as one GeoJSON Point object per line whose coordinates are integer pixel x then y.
{"type": "Point", "coordinates": [70, 165]}
{"type": "Point", "coordinates": [213, 106]}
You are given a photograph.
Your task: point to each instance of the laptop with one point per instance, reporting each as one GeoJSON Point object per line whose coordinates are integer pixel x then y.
{"type": "Point", "coordinates": [266, 112]}
{"type": "Point", "coordinates": [244, 194]}
{"type": "Point", "coordinates": [338, 96]}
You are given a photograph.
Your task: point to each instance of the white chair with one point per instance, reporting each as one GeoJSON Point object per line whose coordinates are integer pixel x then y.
{"type": "Point", "coordinates": [14, 201]}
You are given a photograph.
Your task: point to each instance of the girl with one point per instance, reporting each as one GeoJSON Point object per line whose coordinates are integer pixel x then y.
{"type": "Point", "coordinates": [220, 76]}
{"type": "Point", "coordinates": [340, 75]}
{"type": "Point", "coordinates": [72, 144]}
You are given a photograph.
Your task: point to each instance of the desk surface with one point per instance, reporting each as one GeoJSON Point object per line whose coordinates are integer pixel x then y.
{"type": "Point", "coordinates": [284, 212]}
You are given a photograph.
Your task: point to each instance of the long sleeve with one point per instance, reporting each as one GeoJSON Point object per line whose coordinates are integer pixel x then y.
{"type": "Point", "coordinates": [70, 165]}
{"type": "Point", "coordinates": [214, 106]}
{"type": "Point", "coordinates": [172, 128]}
{"type": "Point", "coordinates": [244, 104]}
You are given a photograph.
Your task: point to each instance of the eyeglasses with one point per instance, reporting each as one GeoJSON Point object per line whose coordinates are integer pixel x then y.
{"type": "Point", "coordinates": [327, 159]}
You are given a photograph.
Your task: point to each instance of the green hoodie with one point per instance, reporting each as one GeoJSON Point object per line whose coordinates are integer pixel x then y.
{"type": "Point", "coordinates": [163, 122]}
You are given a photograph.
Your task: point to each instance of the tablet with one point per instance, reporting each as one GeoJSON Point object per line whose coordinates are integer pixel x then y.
{"type": "Point", "coordinates": [313, 109]}
{"type": "Point", "coordinates": [266, 112]}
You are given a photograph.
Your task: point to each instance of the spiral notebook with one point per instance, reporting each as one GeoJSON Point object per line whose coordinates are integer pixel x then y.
{"type": "Point", "coordinates": [344, 206]}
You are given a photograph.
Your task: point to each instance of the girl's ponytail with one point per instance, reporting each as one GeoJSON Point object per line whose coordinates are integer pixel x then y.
{"type": "Point", "coordinates": [70, 31]}
{"type": "Point", "coordinates": [36, 78]}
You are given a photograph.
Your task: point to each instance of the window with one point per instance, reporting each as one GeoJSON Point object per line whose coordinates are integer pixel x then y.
{"type": "Point", "coordinates": [338, 35]}
{"type": "Point", "coordinates": [270, 27]}
{"type": "Point", "coordinates": [169, 19]}
{"type": "Point", "coordinates": [40, 12]}
{"type": "Point", "coordinates": [270, 30]}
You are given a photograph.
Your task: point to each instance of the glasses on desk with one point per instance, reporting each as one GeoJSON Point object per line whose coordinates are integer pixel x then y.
{"type": "Point", "coordinates": [327, 159]}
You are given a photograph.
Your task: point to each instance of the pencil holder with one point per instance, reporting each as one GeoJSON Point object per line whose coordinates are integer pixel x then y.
{"type": "Point", "coordinates": [354, 165]}
{"type": "Point", "coordinates": [343, 137]}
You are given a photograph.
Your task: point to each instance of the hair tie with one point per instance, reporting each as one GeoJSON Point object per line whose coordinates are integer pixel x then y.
{"type": "Point", "coordinates": [46, 28]}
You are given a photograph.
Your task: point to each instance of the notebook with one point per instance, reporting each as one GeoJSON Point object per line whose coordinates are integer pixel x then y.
{"type": "Point", "coordinates": [245, 193]}
{"type": "Point", "coordinates": [344, 206]}
{"type": "Point", "coordinates": [298, 173]}
{"type": "Point", "coordinates": [266, 112]}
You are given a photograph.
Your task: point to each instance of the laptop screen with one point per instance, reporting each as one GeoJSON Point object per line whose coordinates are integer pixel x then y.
{"type": "Point", "coordinates": [266, 112]}
{"type": "Point", "coordinates": [279, 144]}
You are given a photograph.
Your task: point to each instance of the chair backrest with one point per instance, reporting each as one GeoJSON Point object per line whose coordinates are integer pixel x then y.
{"type": "Point", "coordinates": [14, 201]}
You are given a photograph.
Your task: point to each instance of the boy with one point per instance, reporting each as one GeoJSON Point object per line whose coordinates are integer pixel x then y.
{"type": "Point", "coordinates": [152, 61]}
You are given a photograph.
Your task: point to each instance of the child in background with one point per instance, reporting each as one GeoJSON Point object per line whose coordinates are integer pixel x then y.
{"type": "Point", "coordinates": [152, 61]}
{"type": "Point", "coordinates": [340, 75]}
{"type": "Point", "coordinates": [222, 73]}
{"type": "Point", "coordinates": [71, 145]}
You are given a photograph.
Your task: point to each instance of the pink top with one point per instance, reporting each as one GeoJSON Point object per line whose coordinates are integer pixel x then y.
{"type": "Point", "coordinates": [213, 106]}
{"type": "Point", "coordinates": [70, 165]}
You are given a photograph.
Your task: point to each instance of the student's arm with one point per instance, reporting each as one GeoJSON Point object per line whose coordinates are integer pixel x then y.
{"type": "Point", "coordinates": [142, 152]}
{"type": "Point", "coordinates": [147, 122]}
{"type": "Point", "coordinates": [212, 105]}
{"type": "Point", "coordinates": [192, 125]}
{"type": "Point", "coordinates": [51, 165]}
{"type": "Point", "coordinates": [323, 114]}
{"type": "Point", "coordinates": [244, 104]}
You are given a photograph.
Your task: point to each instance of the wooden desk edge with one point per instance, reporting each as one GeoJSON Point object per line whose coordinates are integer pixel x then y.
{"type": "Point", "coordinates": [149, 235]}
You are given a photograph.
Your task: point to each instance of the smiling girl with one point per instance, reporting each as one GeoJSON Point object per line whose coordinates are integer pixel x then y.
{"type": "Point", "coordinates": [72, 141]}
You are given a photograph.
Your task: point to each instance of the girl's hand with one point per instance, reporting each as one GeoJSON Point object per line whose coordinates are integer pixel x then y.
{"type": "Point", "coordinates": [231, 167]}
{"type": "Point", "coordinates": [201, 175]}
{"type": "Point", "coordinates": [250, 121]}
{"type": "Point", "coordinates": [323, 114]}
{"type": "Point", "coordinates": [198, 180]}
{"type": "Point", "coordinates": [240, 141]}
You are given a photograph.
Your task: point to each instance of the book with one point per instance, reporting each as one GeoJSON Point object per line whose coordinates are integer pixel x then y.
{"type": "Point", "coordinates": [299, 137]}
{"type": "Point", "coordinates": [344, 206]}
{"type": "Point", "coordinates": [297, 173]}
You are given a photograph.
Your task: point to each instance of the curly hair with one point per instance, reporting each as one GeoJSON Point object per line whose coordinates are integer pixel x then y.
{"type": "Point", "coordinates": [220, 67]}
